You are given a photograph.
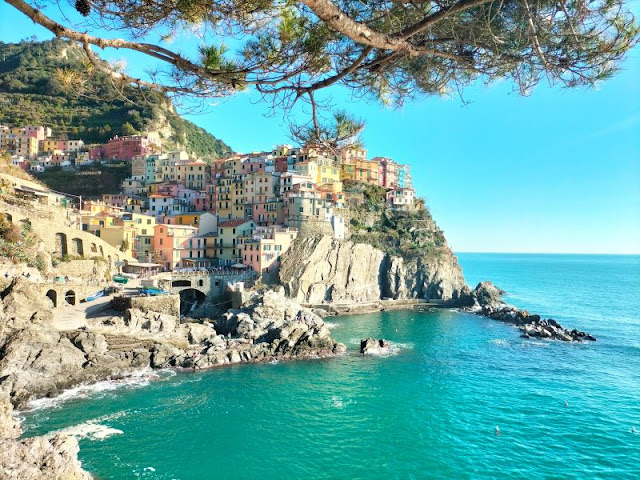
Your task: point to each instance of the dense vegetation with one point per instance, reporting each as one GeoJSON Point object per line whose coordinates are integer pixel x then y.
{"type": "Point", "coordinates": [90, 182]}
{"type": "Point", "coordinates": [406, 234]}
{"type": "Point", "coordinates": [52, 83]}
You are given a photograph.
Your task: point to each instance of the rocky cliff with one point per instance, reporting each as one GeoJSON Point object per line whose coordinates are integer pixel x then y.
{"type": "Point", "coordinates": [325, 270]}
{"type": "Point", "coordinates": [388, 254]}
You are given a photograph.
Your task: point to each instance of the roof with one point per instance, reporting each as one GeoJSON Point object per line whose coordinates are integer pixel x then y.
{"type": "Point", "coordinates": [197, 214]}
{"type": "Point", "coordinates": [173, 227]}
{"type": "Point", "coordinates": [143, 264]}
{"type": "Point", "coordinates": [233, 223]}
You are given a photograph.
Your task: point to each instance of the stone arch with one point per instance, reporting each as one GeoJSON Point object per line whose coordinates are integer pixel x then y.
{"type": "Point", "coordinates": [181, 283]}
{"type": "Point", "coordinates": [77, 246]}
{"type": "Point", "coordinates": [94, 248]}
{"type": "Point", "coordinates": [53, 296]}
{"type": "Point", "coordinates": [70, 297]}
{"type": "Point", "coordinates": [190, 298]}
{"type": "Point", "coordinates": [61, 244]}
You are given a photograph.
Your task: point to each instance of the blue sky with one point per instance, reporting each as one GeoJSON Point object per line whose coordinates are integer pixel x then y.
{"type": "Point", "coordinates": [556, 172]}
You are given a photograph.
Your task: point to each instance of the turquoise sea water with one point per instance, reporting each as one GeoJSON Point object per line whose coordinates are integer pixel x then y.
{"type": "Point", "coordinates": [428, 411]}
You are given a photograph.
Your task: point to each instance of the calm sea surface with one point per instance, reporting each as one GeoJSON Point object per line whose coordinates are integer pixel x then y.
{"type": "Point", "coordinates": [428, 411]}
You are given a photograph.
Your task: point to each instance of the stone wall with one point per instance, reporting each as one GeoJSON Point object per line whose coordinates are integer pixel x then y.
{"type": "Point", "coordinates": [167, 304]}
{"type": "Point", "coordinates": [56, 228]}
{"type": "Point", "coordinates": [308, 227]}
{"type": "Point", "coordinates": [89, 269]}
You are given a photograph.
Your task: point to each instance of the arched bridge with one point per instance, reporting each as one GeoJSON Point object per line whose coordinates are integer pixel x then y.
{"type": "Point", "coordinates": [70, 293]}
{"type": "Point", "coordinates": [197, 287]}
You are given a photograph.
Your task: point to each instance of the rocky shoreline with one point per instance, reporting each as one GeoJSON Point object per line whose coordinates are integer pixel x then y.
{"type": "Point", "coordinates": [36, 360]}
{"type": "Point", "coordinates": [488, 302]}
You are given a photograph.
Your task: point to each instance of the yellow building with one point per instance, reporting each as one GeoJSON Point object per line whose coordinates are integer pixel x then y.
{"type": "Point", "coordinates": [231, 236]}
{"type": "Point", "coordinates": [366, 171]}
{"type": "Point", "coordinates": [142, 227]}
{"type": "Point", "coordinates": [120, 237]}
{"type": "Point", "coordinates": [92, 223]}
{"type": "Point", "coordinates": [328, 174]}
{"type": "Point", "coordinates": [192, 218]}
{"type": "Point", "coordinates": [224, 205]}
{"type": "Point", "coordinates": [308, 168]}
{"type": "Point", "coordinates": [191, 174]}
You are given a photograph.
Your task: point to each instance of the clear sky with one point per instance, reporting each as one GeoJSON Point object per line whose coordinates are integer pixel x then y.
{"type": "Point", "coordinates": [558, 171]}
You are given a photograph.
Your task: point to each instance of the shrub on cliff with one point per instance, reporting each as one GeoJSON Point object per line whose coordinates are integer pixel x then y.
{"type": "Point", "coordinates": [8, 231]}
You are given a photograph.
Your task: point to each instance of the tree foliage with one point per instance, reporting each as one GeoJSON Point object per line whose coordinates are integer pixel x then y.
{"type": "Point", "coordinates": [389, 50]}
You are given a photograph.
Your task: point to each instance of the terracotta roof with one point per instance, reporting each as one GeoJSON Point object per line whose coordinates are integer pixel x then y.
{"type": "Point", "coordinates": [232, 223]}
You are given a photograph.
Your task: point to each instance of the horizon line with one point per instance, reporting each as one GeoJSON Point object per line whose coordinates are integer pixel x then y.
{"type": "Point", "coordinates": [550, 253]}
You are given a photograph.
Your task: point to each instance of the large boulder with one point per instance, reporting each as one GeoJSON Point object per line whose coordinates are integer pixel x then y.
{"type": "Point", "coordinates": [487, 294]}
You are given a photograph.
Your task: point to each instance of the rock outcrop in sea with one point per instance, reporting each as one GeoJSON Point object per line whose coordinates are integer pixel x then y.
{"type": "Point", "coordinates": [488, 302]}
{"type": "Point", "coordinates": [371, 346]}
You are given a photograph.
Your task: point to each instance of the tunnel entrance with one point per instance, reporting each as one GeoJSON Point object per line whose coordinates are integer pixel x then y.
{"type": "Point", "coordinates": [53, 296]}
{"type": "Point", "coordinates": [190, 298]}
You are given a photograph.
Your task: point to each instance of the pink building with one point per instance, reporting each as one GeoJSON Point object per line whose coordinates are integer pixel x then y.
{"type": "Point", "coordinates": [253, 165]}
{"type": "Point", "coordinates": [38, 132]}
{"type": "Point", "coordinates": [388, 172]}
{"type": "Point", "coordinates": [174, 243]}
{"type": "Point", "coordinates": [122, 148]}
{"type": "Point", "coordinates": [199, 201]}
{"type": "Point", "coordinates": [263, 250]}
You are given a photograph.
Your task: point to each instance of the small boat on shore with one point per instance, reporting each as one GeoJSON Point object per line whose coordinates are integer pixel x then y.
{"type": "Point", "coordinates": [95, 296]}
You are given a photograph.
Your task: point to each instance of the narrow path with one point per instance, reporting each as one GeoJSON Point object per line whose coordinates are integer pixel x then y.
{"type": "Point", "coordinates": [72, 317]}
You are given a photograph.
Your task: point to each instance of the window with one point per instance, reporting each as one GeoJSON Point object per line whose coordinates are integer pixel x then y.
{"type": "Point", "coordinates": [161, 241]}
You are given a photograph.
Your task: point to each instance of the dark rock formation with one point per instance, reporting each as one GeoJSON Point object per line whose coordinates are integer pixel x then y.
{"type": "Point", "coordinates": [371, 346]}
{"type": "Point", "coordinates": [489, 303]}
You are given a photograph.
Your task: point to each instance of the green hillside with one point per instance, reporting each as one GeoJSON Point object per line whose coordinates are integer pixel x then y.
{"type": "Point", "coordinates": [52, 83]}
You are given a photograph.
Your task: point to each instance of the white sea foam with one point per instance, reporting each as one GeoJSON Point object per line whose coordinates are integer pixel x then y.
{"type": "Point", "coordinates": [391, 350]}
{"type": "Point", "coordinates": [338, 402]}
{"type": "Point", "coordinates": [332, 325]}
{"type": "Point", "coordinates": [91, 430]}
{"type": "Point", "coordinates": [149, 469]}
{"type": "Point", "coordinates": [137, 379]}
{"type": "Point", "coordinates": [500, 341]}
